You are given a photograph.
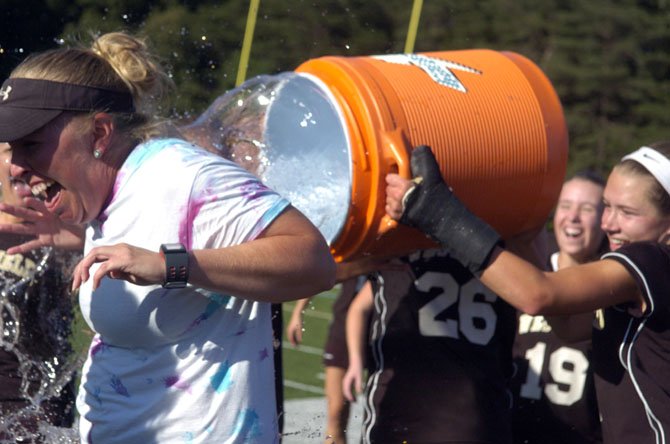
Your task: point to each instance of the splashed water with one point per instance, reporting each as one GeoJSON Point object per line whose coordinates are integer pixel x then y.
{"type": "Point", "coordinates": [287, 130]}
{"type": "Point", "coordinates": [38, 360]}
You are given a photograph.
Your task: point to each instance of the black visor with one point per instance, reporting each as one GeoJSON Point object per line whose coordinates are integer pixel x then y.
{"type": "Point", "coordinates": [26, 105]}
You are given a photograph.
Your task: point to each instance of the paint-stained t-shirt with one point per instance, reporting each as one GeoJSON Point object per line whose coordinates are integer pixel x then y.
{"type": "Point", "coordinates": [178, 365]}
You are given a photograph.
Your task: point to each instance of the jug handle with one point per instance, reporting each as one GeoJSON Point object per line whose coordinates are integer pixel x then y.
{"type": "Point", "coordinates": [396, 156]}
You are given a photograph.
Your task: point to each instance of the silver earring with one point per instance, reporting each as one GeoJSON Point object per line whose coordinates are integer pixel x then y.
{"type": "Point", "coordinates": [97, 153]}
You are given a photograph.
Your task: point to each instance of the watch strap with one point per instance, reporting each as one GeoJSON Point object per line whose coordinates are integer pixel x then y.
{"type": "Point", "coordinates": [176, 265]}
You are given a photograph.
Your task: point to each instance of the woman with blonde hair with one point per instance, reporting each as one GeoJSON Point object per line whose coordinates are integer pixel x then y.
{"type": "Point", "coordinates": [184, 250]}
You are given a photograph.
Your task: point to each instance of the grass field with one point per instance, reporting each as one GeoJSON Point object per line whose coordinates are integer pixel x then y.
{"type": "Point", "coordinates": [303, 370]}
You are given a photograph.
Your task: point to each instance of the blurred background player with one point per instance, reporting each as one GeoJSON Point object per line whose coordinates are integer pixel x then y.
{"type": "Point", "coordinates": [441, 354]}
{"type": "Point", "coordinates": [335, 358]}
{"type": "Point", "coordinates": [553, 387]}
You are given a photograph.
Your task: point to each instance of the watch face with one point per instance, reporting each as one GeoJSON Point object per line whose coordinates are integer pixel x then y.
{"type": "Point", "coordinates": [176, 265]}
{"type": "Point", "coordinates": [173, 247]}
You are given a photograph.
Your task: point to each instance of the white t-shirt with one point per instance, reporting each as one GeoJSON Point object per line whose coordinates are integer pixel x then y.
{"type": "Point", "coordinates": [180, 365]}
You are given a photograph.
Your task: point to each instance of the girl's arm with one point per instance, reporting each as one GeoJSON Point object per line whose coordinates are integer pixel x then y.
{"type": "Point", "coordinates": [428, 204]}
{"type": "Point", "coordinates": [356, 332]}
{"type": "Point", "coordinates": [295, 324]}
{"type": "Point", "coordinates": [575, 289]}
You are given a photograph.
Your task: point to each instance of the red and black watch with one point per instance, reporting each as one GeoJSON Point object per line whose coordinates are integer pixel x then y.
{"type": "Point", "coordinates": [176, 265]}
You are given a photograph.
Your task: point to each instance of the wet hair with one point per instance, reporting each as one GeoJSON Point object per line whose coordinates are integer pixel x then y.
{"type": "Point", "coordinates": [116, 61]}
{"type": "Point", "coordinates": [657, 194]}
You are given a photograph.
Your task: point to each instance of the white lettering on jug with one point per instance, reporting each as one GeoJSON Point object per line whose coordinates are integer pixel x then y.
{"type": "Point", "coordinates": [439, 70]}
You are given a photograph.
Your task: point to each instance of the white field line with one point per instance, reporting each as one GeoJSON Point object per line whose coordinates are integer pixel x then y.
{"type": "Point", "coordinates": [309, 312]}
{"type": "Point", "coordinates": [299, 385]}
{"type": "Point", "coordinates": [303, 348]}
{"type": "Point", "coordinates": [303, 387]}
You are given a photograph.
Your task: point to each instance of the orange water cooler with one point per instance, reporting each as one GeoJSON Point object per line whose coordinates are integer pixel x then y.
{"type": "Point", "coordinates": [492, 118]}
{"type": "Point", "coordinates": [326, 135]}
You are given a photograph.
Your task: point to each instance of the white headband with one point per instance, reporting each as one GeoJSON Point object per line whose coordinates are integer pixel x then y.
{"type": "Point", "coordinates": [656, 163]}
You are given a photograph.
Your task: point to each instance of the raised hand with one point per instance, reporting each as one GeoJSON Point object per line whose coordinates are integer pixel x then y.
{"type": "Point", "coordinates": [37, 221]}
{"type": "Point", "coordinates": [397, 189]}
{"type": "Point", "coordinates": [432, 207]}
{"type": "Point", "coordinates": [121, 261]}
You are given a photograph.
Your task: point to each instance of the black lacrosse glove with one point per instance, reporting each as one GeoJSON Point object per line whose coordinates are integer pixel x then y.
{"type": "Point", "coordinates": [434, 209]}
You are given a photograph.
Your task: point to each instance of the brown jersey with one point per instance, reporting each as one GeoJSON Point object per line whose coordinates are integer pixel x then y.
{"type": "Point", "coordinates": [335, 352]}
{"type": "Point", "coordinates": [554, 394]}
{"type": "Point", "coordinates": [632, 353]}
{"type": "Point", "coordinates": [441, 350]}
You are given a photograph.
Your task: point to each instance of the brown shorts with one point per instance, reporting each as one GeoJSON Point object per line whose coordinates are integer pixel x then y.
{"type": "Point", "coordinates": [335, 351]}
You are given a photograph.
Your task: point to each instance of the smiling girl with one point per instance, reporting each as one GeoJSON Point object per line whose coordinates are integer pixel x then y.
{"type": "Point", "coordinates": [631, 341]}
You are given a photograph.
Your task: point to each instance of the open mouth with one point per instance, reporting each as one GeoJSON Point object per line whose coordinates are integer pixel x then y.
{"type": "Point", "coordinates": [39, 191]}
{"type": "Point", "coordinates": [617, 242]}
{"type": "Point", "coordinates": [45, 191]}
{"type": "Point", "coordinates": [572, 232]}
